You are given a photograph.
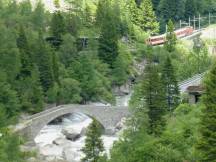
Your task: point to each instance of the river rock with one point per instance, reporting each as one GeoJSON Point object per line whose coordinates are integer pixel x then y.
{"type": "Point", "coordinates": [26, 148]}
{"type": "Point", "coordinates": [83, 131]}
{"type": "Point", "coordinates": [32, 159]}
{"type": "Point", "coordinates": [71, 133]}
{"type": "Point", "coordinates": [53, 159]}
{"type": "Point", "coordinates": [110, 131]}
{"type": "Point", "coordinates": [121, 124]}
{"type": "Point", "coordinates": [72, 155]}
{"type": "Point", "coordinates": [122, 90]}
{"type": "Point", "coordinates": [60, 141]}
{"type": "Point", "coordinates": [51, 150]}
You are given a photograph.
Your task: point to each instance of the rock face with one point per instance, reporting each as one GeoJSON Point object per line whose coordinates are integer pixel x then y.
{"type": "Point", "coordinates": [121, 124]}
{"type": "Point", "coordinates": [122, 90]}
{"type": "Point", "coordinates": [71, 133]}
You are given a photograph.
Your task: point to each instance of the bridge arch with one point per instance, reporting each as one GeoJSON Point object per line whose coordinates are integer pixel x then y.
{"type": "Point", "coordinates": [107, 116]}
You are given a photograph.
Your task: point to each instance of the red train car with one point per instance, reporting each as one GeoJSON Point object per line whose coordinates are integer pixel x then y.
{"type": "Point", "coordinates": [161, 39]}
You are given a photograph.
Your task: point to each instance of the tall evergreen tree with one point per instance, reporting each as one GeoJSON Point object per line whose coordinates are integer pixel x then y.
{"type": "Point", "coordinates": [8, 97]}
{"type": "Point", "coordinates": [93, 143]}
{"type": "Point", "coordinates": [26, 59]}
{"type": "Point", "coordinates": [57, 25]}
{"type": "Point", "coordinates": [170, 84]}
{"type": "Point", "coordinates": [39, 17]}
{"type": "Point", "coordinates": [190, 8]}
{"type": "Point", "coordinates": [206, 144]}
{"type": "Point", "coordinates": [108, 41]}
{"type": "Point", "coordinates": [119, 71]}
{"type": "Point", "coordinates": [170, 9]}
{"type": "Point", "coordinates": [9, 53]}
{"type": "Point", "coordinates": [101, 11]}
{"type": "Point", "coordinates": [55, 67]}
{"type": "Point", "coordinates": [155, 4]}
{"type": "Point", "coordinates": [57, 3]}
{"type": "Point", "coordinates": [28, 84]}
{"type": "Point", "coordinates": [170, 37]}
{"type": "Point", "coordinates": [148, 18]}
{"type": "Point", "coordinates": [134, 11]}
{"type": "Point", "coordinates": [44, 62]}
{"type": "Point", "coordinates": [154, 98]}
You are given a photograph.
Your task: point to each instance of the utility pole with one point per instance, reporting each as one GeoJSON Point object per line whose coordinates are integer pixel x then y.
{"type": "Point", "coordinates": [183, 23]}
{"type": "Point", "coordinates": [209, 18]}
{"type": "Point", "coordinates": [199, 21]}
{"type": "Point", "coordinates": [194, 22]}
{"type": "Point", "coordinates": [189, 21]}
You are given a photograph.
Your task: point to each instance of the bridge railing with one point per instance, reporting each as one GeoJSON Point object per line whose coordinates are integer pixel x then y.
{"type": "Point", "coordinates": [63, 107]}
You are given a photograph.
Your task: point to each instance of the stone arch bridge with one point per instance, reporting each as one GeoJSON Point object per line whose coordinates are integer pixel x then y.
{"type": "Point", "coordinates": [108, 116]}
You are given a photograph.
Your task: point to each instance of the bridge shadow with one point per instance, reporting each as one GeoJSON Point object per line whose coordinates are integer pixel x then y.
{"type": "Point", "coordinates": [74, 119]}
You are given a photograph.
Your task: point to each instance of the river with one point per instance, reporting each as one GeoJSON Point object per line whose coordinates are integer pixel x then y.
{"type": "Point", "coordinates": [53, 145]}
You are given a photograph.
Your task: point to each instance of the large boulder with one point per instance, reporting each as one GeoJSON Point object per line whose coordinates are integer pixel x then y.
{"type": "Point", "coordinates": [121, 124]}
{"type": "Point", "coordinates": [60, 141]}
{"type": "Point", "coordinates": [72, 155]}
{"type": "Point", "coordinates": [71, 133]}
{"type": "Point", "coordinates": [32, 159]}
{"type": "Point", "coordinates": [51, 150]}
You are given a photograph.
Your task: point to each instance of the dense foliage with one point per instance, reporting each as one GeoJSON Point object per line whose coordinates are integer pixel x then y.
{"type": "Point", "coordinates": [206, 144]}
{"type": "Point", "coordinates": [80, 54]}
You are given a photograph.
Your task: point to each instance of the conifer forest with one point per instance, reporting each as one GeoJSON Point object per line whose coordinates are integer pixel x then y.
{"type": "Point", "coordinates": [153, 59]}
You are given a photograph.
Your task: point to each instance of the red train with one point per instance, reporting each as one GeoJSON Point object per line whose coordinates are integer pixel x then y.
{"type": "Point", "coordinates": [161, 39]}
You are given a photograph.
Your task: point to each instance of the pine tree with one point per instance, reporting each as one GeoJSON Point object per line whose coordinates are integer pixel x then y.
{"type": "Point", "coordinates": [155, 4]}
{"type": "Point", "coordinates": [170, 84]}
{"type": "Point", "coordinates": [154, 98]}
{"type": "Point", "coordinates": [206, 144]}
{"type": "Point", "coordinates": [108, 41]}
{"type": "Point", "coordinates": [44, 62]}
{"type": "Point", "coordinates": [57, 3]}
{"type": "Point", "coordinates": [37, 96]}
{"type": "Point", "coordinates": [101, 11]}
{"type": "Point", "coordinates": [26, 60]}
{"type": "Point", "coordinates": [25, 8]}
{"type": "Point", "coordinates": [148, 18]}
{"type": "Point", "coordinates": [119, 71]}
{"type": "Point", "coordinates": [93, 143]}
{"type": "Point", "coordinates": [135, 13]}
{"type": "Point", "coordinates": [10, 57]}
{"type": "Point", "coordinates": [87, 16]}
{"type": "Point", "coordinates": [170, 37]}
{"type": "Point", "coordinates": [28, 84]}
{"type": "Point", "coordinates": [55, 67]}
{"type": "Point", "coordinates": [57, 25]}
{"type": "Point", "coordinates": [190, 8]}
{"type": "Point", "coordinates": [170, 9]}
{"type": "Point", "coordinates": [39, 17]}
{"type": "Point", "coordinates": [8, 97]}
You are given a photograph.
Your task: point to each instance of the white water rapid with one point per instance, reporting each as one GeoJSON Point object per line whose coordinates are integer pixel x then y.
{"type": "Point", "coordinates": [53, 144]}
